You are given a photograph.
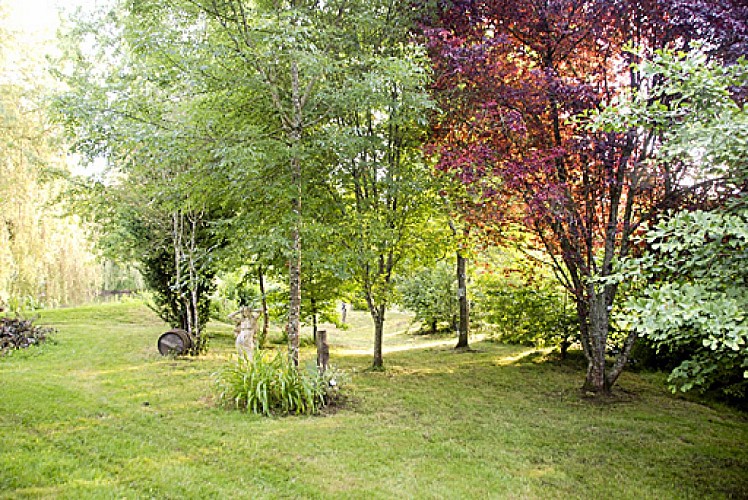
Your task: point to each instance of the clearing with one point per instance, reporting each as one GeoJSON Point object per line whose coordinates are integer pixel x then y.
{"type": "Point", "coordinates": [99, 414]}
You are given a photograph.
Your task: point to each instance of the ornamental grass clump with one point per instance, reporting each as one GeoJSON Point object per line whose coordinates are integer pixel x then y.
{"type": "Point", "coordinates": [272, 385]}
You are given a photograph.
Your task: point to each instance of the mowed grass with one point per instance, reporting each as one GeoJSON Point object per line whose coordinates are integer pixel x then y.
{"type": "Point", "coordinates": [99, 414]}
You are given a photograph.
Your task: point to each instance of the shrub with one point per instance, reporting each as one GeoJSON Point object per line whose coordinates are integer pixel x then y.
{"type": "Point", "coordinates": [525, 311]}
{"type": "Point", "coordinates": [273, 385]}
{"type": "Point", "coordinates": [431, 294]}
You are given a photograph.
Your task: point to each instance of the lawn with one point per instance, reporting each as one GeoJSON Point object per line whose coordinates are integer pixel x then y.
{"type": "Point", "coordinates": [99, 414]}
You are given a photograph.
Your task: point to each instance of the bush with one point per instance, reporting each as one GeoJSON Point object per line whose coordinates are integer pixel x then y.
{"type": "Point", "coordinates": [431, 294]}
{"type": "Point", "coordinates": [532, 313]}
{"type": "Point", "coordinates": [273, 385]}
{"type": "Point", "coordinates": [688, 297]}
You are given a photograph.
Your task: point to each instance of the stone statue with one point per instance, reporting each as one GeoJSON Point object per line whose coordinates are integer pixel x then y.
{"type": "Point", "coordinates": [245, 330]}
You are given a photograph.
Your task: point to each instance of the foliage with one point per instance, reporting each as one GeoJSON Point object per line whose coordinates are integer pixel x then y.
{"type": "Point", "coordinates": [46, 258]}
{"type": "Point", "coordinates": [119, 277]}
{"type": "Point", "coordinates": [381, 191]}
{"type": "Point", "coordinates": [431, 293]}
{"type": "Point", "coordinates": [268, 104]}
{"type": "Point", "coordinates": [696, 106]}
{"type": "Point", "coordinates": [689, 285]}
{"type": "Point", "coordinates": [234, 289]}
{"type": "Point", "coordinates": [509, 76]}
{"type": "Point", "coordinates": [521, 303]}
{"type": "Point", "coordinates": [157, 266]}
{"type": "Point", "coordinates": [695, 299]}
{"type": "Point", "coordinates": [324, 276]}
{"type": "Point", "coordinates": [146, 203]}
{"type": "Point", "coordinates": [273, 386]}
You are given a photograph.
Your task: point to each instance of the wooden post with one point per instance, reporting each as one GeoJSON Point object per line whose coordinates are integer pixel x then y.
{"type": "Point", "coordinates": [323, 351]}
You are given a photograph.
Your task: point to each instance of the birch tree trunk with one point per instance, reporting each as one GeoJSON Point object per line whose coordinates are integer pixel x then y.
{"type": "Point", "coordinates": [264, 305]}
{"type": "Point", "coordinates": [193, 283]}
{"type": "Point", "coordinates": [294, 263]}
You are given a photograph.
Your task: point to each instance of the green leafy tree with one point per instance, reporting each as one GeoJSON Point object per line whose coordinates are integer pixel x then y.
{"type": "Point", "coordinates": [383, 188]}
{"type": "Point", "coordinates": [119, 106]}
{"type": "Point", "coordinates": [46, 258]}
{"type": "Point", "coordinates": [689, 284]}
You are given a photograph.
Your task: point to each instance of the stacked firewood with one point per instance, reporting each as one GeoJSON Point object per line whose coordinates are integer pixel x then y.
{"type": "Point", "coordinates": [16, 333]}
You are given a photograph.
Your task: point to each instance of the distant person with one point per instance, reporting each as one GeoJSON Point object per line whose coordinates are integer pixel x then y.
{"type": "Point", "coordinates": [343, 312]}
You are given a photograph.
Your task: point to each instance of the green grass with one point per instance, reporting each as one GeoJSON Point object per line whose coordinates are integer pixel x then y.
{"type": "Point", "coordinates": [99, 414]}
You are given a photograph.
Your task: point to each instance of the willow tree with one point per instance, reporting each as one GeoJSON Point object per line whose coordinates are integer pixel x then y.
{"type": "Point", "coordinates": [45, 257]}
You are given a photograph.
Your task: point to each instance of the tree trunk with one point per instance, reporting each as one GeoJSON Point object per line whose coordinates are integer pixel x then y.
{"type": "Point", "coordinates": [462, 339]}
{"type": "Point", "coordinates": [323, 351]}
{"type": "Point", "coordinates": [264, 302]}
{"type": "Point", "coordinates": [194, 284]}
{"type": "Point", "coordinates": [294, 285]}
{"type": "Point", "coordinates": [621, 359]}
{"type": "Point", "coordinates": [378, 316]}
{"type": "Point", "coordinates": [599, 325]}
{"type": "Point", "coordinates": [294, 264]}
{"type": "Point", "coordinates": [314, 320]}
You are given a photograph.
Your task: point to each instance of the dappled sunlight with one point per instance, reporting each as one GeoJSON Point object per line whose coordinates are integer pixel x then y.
{"type": "Point", "coordinates": [411, 342]}
{"type": "Point", "coordinates": [141, 420]}
{"type": "Point", "coordinates": [517, 358]}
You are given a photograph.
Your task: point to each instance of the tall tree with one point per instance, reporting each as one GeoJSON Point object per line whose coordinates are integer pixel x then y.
{"type": "Point", "coordinates": [45, 256]}
{"type": "Point", "coordinates": [690, 284]}
{"type": "Point", "coordinates": [124, 104]}
{"type": "Point", "coordinates": [509, 76]}
{"type": "Point", "coordinates": [380, 182]}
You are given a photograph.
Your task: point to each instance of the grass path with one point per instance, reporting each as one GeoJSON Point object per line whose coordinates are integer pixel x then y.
{"type": "Point", "coordinates": [100, 414]}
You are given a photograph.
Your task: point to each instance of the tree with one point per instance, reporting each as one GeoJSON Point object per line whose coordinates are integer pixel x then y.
{"type": "Point", "coordinates": [46, 258]}
{"type": "Point", "coordinates": [509, 76]}
{"type": "Point", "coordinates": [278, 66]}
{"type": "Point", "coordinates": [689, 284]}
{"type": "Point", "coordinates": [380, 183]}
{"type": "Point", "coordinates": [147, 202]}
{"type": "Point", "coordinates": [272, 103]}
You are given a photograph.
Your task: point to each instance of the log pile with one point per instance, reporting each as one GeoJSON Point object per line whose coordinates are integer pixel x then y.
{"type": "Point", "coordinates": [16, 333]}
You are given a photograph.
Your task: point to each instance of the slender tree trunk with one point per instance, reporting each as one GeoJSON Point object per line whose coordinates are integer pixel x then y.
{"type": "Point", "coordinates": [621, 360]}
{"type": "Point", "coordinates": [264, 302]}
{"type": "Point", "coordinates": [193, 285]}
{"type": "Point", "coordinates": [378, 317]}
{"type": "Point", "coordinates": [294, 285]}
{"type": "Point", "coordinates": [294, 265]}
{"type": "Point", "coordinates": [314, 320]}
{"type": "Point", "coordinates": [177, 219]}
{"type": "Point", "coordinates": [462, 339]}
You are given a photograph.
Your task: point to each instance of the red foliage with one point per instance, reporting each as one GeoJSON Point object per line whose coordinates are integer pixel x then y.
{"type": "Point", "coordinates": [509, 77]}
